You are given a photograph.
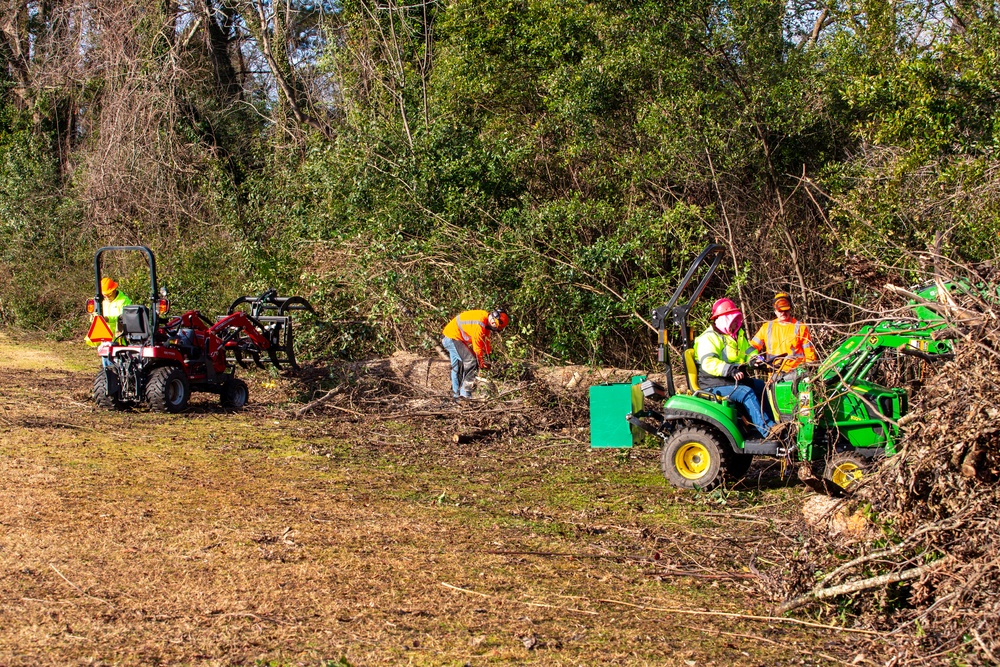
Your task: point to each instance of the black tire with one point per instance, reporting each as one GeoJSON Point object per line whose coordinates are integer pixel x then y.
{"type": "Point", "coordinates": [101, 396]}
{"type": "Point", "coordinates": [693, 458]}
{"type": "Point", "coordinates": [844, 472]}
{"type": "Point", "coordinates": [167, 389]}
{"type": "Point", "coordinates": [234, 394]}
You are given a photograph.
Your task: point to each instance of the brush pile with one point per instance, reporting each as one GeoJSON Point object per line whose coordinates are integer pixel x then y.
{"type": "Point", "coordinates": [513, 399]}
{"type": "Point", "coordinates": [928, 571]}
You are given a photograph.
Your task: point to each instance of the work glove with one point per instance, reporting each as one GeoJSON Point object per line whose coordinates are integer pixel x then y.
{"type": "Point", "coordinates": [739, 372]}
{"type": "Point", "coordinates": [757, 361]}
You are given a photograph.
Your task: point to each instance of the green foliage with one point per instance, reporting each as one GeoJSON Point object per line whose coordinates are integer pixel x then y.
{"type": "Point", "coordinates": [38, 237]}
{"type": "Point", "coordinates": [565, 159]}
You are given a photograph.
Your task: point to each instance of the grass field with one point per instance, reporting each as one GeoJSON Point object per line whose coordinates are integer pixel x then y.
{"type": "Point", "coordinates": [256, 539]}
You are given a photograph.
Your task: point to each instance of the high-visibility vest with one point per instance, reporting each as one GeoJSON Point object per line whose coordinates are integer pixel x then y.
{"type": "Point", "coordinates": [471, 327]}
{"type": "Point", "coordinates": [717, 353]}
{"type": "Point", "coordinates": [112, 310]}
{"type": "Point", "coordinates": [789, 338]}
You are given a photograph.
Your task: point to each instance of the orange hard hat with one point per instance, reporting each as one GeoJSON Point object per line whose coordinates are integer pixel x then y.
{"type": "Point", "coordinates": [108, 286]}
{"type": "Point", "coordinates": [723, 306]}
{"type": "Point", "coordinates": [782, 301]}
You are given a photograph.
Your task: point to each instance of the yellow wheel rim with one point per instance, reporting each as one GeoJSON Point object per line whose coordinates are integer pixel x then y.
{"type": "Point", "coordinates": [846, 474]}
{"type": "Point", "coordinates": [692, 460]}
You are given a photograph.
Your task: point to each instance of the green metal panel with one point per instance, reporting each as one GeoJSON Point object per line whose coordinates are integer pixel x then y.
{"type": "Point", "coordinates": [785, 402]}
{"type": "Point", "coordinates": [610, 406]}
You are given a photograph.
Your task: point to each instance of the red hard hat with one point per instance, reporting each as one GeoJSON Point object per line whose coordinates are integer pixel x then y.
{"type": "Point", "coordinates": [498, 319]}
{"type": "Point", "coordinates": [723, 306]}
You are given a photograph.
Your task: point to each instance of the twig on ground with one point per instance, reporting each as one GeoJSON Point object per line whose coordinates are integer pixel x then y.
{"type": "Point", "coordinates": [350, 412]}
{"type": "Point", "coordinates": [318, 402]}
{"type": "Point", "coordinates": [763, 639]}
{"type": "Point", "coordinates": [735, 515]}
{"type": "Point", "coordinates": [246, 614]}
{"type": "Point", "coordinates": [984, 647]}
{"type": "Point", "coordinates": [524, 602]}
{"type": "Point", "coordinates": [747, 617]}
{"type": "Point", "coordinates": [857, 586]}
{"type": "Point", "coordinates": [80, 590]}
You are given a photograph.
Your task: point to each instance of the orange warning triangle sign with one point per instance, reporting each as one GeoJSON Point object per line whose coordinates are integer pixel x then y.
{"type": "Point", "coordinates": [100, 331]}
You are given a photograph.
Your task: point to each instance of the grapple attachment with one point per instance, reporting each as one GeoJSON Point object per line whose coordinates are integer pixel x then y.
{"type": "Point", "coordinates": [271, 315]}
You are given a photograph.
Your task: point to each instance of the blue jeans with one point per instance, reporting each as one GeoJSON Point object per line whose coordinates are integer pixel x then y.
{"type": "Point", "coordinates": [747, 395]}
{"type": "Point", "coordinates": [464, 367]}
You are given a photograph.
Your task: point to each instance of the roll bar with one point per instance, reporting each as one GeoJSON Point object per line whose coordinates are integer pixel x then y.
{"type": "Point", "coordinates": [713, 254]}
{"type": "Point", "coordinates": [153, 293]}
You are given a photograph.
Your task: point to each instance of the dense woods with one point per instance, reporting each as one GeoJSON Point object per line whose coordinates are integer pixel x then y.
{"type": "Point", "coordinates": [395, 162]}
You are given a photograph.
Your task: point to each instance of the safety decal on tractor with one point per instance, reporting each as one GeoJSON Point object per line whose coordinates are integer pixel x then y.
{"type": "Point", "coordinates": [100, 331]}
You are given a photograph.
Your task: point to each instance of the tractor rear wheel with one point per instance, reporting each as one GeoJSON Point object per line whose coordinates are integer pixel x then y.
{"type": "Point", "coordinates": [693, 458]}
{"type": "Point", "coordinates": [845, 471]}
{"type": "Point", "coordinates": [102, 397]}
{"type": "Point", "coordinates": [167, 389]}
{"type": "Point", "coordinates": [234, 394]}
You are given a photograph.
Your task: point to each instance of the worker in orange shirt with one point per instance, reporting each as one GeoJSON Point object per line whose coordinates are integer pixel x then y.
{"type": "Point", "coordinates": [783, 336]}
{"type": "Point", "coordinates": [467, 340]}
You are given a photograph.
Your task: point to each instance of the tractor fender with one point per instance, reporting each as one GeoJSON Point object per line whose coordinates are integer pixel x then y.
{"type": "Point", "coordinates": [719, 416]}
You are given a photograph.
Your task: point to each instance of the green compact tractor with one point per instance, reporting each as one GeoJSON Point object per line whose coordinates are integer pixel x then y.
{"type": "Point", "coordinates": [838, 415]}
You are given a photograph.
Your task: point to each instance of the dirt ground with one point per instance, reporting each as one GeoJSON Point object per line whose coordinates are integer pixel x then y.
{"type": "Point", "coordinates": [254, 538]}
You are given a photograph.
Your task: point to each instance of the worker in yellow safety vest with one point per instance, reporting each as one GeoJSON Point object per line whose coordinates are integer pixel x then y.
{"type": "Point", "coordinates": [723, 353]}
{"type": "Point", "coordinates": [467, 340]}
{"type": "Point", "coordinates": [112, 305]}
{"type": "Point", "coordinates": [785, 337]}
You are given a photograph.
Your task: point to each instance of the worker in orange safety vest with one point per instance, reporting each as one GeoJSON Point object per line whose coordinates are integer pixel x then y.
{"type": "Point", "coordinates": [783, 336]}
{"type": "Point", "coordinates": [467, 340]}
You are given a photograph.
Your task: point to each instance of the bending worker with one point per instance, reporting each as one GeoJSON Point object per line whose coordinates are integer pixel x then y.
{"type": "Point", "coordinates": [723, 352]}
{"type": "Point", "coordinates": [467, 339]}
{"type": "Point", "coordinates": [783, 336]}
{"type": "Point", "coordinates": [112, 305]}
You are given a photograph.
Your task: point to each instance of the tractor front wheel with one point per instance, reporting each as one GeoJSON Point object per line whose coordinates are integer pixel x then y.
{"type": "Point", "coordinates": [167, 389]}
{"type": "Point", "coordinates": [845, 471]}
{"type": "Point", "coordinates": [693, 458]}
{"type": "Point", "coordinates": [101, 396]}
{"type": "Point", "coordinates": [234, 394]}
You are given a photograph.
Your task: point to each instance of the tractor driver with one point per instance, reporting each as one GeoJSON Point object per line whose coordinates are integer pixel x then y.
{"type": "Point", "coordinates": [112, 305]}
{"type": "Point", "coordinates": [723, 352]}
{"type": "Point", "coordinates": [467, 340]}
{"type": "Point", "coordinates": [783, 336]}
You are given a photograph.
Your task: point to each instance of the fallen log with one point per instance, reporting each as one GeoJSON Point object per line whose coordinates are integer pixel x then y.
{"type": "Point", "coordinates": [474, 436]}
{"type": "Point", "coordinates": [857, 586]}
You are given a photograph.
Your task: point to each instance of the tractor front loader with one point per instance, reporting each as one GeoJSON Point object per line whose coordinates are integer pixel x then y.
{"type": "Point", "coordinates": [838, 416]}
{"type": "Point", "coordinates": [161, 363]}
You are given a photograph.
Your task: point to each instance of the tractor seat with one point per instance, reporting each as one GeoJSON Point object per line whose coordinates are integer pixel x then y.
{"type": "Point", "coordinates": [691, 368]}
{"type": "Point", "coordinates": [134, 324]}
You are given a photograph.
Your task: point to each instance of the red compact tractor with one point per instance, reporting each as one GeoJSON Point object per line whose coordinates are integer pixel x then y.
{"type": "Point", "coordinates": [160, 361]}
